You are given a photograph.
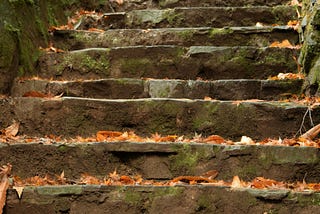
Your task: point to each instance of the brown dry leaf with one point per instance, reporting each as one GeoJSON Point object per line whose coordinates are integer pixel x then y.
{"type": "Point", "coordinates": [191, 179]}
{"type": "Point", "coordinates": [104, 135]}
{"type": "Point", "coordinates": [210, 174]}
{"type": "Point", "coordinates": [95, 30]}
{"type": "Point", "coordinates": [88, 179]}
{"type": "Point", "coordinates": [4, 184]}
{"type": "Point", "coordinates": [207, 98]}
{"type": "Point", "coordinates": [12, 130]}
{"type": "Point", "coordinates": [236, 183]}
{"type": "Point", "coordinates": [283, 76]}
{"type": "Point", "coordinates": [126, 180]}
{"type": "Point", "coordinates": [214, 139]}
{"type": "Point", "coordinates": [262, 183]}
{"type": "Point", "coordinates": [284, 44]}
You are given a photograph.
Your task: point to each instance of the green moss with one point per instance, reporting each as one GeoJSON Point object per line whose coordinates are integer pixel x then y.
{"type": "Point", "coordinates": [219, 31]}
{"type": "Point", "coordinates": [135, 66]}
{"type": "Point", "coordinates": [173, 18]}
{"type": "Point", "coordinates": [172, 191]}
{"type": "Point", "coordinates": [132, 197]}
{"type": "Point", "coordinates": [84, 63]}
{"type": "Point", "coordinates": [186, 34]}
{"type": "Point", "coordinates": [203, 119]}
{"type": "Point", "coordinates": [186, 159]}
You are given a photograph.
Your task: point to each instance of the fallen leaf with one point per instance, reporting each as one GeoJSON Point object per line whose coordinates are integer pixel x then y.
{"type": "Point", "coordinates": [215, 139]}
{"type": "Point", "coordinates": [4, 184]}
{"type": "Point", "coordinates": [95, 30]}
{"type": "Point", "coordinates": [210, 174]}
{"type": "Point", "coordinates": [19, 191]}
{"type": "Point", "coordinates": [236, 183]}
{"type": "Point", "coordinates": [284, 44]}
{"type": "Point", "coordinates": [12, 130]}
{"type": "Point", "coordinates": [246, 140]}
{"type": "Point", "coordinates": [259, 24]}
{"type": "Point", "coordinates": [88, 179]}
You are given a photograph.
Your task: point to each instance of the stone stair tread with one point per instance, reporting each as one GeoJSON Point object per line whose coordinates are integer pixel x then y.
{"type": "Point", "coordinates": [193, 17]}
{"type": "Point", "coordinates": [70, 116]}
{"type": "Point", "coordinates": [169, 199]}
{"type": "Point", "coordinates": [144, 4]}
{"type": "Point", "coordinates": [228, 36]}
{"type": "Point", "coordinates": [162, 161]}
{"type": "Point", "coordinates": [169, 61]}
{"type": "Point", "coordinates": [125, 88]}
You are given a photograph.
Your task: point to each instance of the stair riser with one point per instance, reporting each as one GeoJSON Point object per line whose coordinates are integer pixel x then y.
{"type": "Point", "coordinates": [208, 63]}
{"type": "Point", "coordinates": [261, 37]}
{"type": "Point", "coordinates": [135, 88]}
{"type": "Point", "coordinates": [146, 199]}
{"type": "Point", "coordinates": [72, 117]}
{"type": "Point", "coordinates": [194, 17]}
{"type": "Point", "coordinates": [163, 161]}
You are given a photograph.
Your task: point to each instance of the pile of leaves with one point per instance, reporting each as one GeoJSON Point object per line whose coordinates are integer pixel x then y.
{"type": "Point", "coordinates": [10, 135]}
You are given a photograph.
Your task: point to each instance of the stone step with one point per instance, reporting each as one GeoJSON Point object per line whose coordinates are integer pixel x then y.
{"type": "Point", "coordinates": [185, 199]}
{"type": "Point", "coordinates": [145, 4]}
{"type": "Point", "coordinates": [173, 62]}
{"type": "Point", "coordinates": [229, 36]}
{"type": "Point", "coordinates": [157, 88]}
{"type": "Point", "coordinates": [192, 17]}
{"type": "Point", "coordinates": [68, 116]}
{"type": "Point", "coordinates": [163, 161]}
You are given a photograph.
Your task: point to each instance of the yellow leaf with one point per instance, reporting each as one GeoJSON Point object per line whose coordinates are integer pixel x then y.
{"type": "Point", "coordinates": [19, 191]}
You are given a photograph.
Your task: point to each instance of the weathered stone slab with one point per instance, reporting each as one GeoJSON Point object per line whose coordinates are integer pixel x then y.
{"type": "Point", "coordinates": [150, 199]}
{"type": "Point", "coordinates": [82, 116]}
{"type": "Point", "coordinates": [144, 4]}
{"type": "Point", "coordinates": [166, 61]}
{"type": "Point", "coordinates": [163, 160]}
{"type": "Point", "coordinates": [194, 17]}
{"type": "Point", "coordinates": [229, 36]}
{"type": "Point", "coordinates": [137, 88]}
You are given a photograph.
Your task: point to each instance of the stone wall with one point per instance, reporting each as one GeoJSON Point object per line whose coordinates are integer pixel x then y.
{"type": "Point", "coordinates": [23, 29]}
{"type": "Point", "coordinates": [310, 53]}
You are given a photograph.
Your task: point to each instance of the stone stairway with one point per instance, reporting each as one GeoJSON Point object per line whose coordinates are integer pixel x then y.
{"type": "Point", "coordinates": [175, 67]}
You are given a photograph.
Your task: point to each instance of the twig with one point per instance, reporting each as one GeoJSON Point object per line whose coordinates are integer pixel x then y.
{"type": "Point", "coordinates": [312, 133]}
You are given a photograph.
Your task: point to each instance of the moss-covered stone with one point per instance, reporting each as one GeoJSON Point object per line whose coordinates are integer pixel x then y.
{"type": "Point", "coordinates": [23, 29]}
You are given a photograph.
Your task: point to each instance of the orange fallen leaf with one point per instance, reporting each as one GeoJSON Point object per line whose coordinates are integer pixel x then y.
{"type": "Point", "coordinates": [12, 130]}
{"type": "Point", "coordinates": [4, 184]}
{"type": "Point", "coordinates": [88, 179]}
{"type": "Point", "coordinates": [210, 174]}
{"type": "Point", "coordinates": [215, 139]}
{"type": "Point", "coordinates": [95, 30]}
{"type": "Point", "coordinates": [284, 44]}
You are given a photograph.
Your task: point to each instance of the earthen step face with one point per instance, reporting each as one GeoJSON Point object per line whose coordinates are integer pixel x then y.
{"type": "Point", "coordinates": [70, 116]}
{"type": "Point", "coordinates": [164, 160]}
{"type": "Point", "coordinates": [124, 88]}
{"type": "Point", "coordinates": [166, 61]}
{"type": "Point", "coordinates": [154, 199]}
{"type": "Point", "coordinates": [192, 17]}
{"type": "Point", "coordinates": [229, 36]}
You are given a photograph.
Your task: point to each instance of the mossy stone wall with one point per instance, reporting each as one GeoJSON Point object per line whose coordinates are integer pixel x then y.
{"type": "Point", "coordinates": [310, 52]}
{"type": "Point", "coordinates": [24, 28]}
